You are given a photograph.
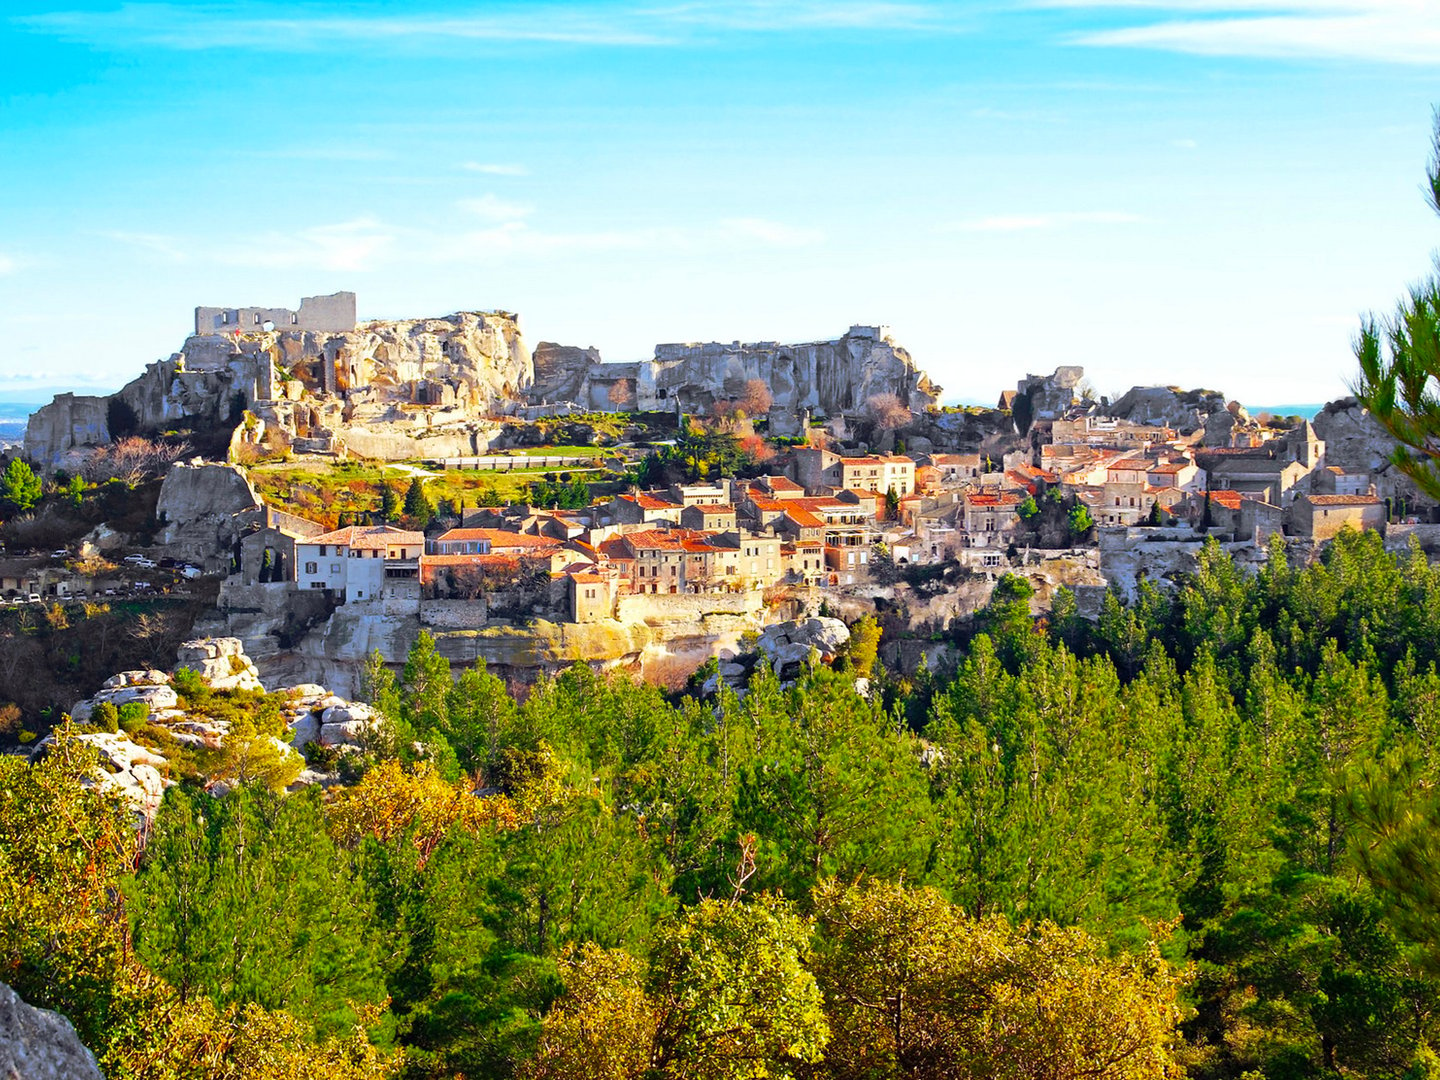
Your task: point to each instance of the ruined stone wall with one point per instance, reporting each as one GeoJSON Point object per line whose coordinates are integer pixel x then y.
{"type": "Point", "coordinates": [335, 312]}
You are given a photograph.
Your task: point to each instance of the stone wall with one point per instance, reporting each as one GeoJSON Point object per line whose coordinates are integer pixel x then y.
{"type": "Point", "coordinates": [335, 312]}
{"type": "Point", "coordinates": [671, 607]}
{"type": "Point", "coordinates": [455, 614]}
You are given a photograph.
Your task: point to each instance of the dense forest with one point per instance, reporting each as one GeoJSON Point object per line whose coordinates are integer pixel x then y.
{"type": "Point", "coordinates": [1195, 837]}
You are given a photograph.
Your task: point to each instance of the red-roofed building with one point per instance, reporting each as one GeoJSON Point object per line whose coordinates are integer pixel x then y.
{"type": "Point", "coordinates": [362, 564]}
{"type": "Point", "coordinates": [991, 516]}
{"type": "Point", "coordinates": [646, 508]}
{"type": "Point", "coordinates": [493, 542]}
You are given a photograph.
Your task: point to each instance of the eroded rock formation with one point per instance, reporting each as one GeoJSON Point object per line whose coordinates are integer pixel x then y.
{"type": "Point", "coordinates": [1168, 406]}
{"type": "Point", "coordinates": [37, 1044]}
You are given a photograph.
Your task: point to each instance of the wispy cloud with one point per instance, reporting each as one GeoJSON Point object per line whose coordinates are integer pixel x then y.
{"type": "Point", "coordinates": [1385, 31]}
{"type": "Point", "coordinates": [369, 244]}
{"type": "Point", "coordinates": [273, 27]}
{"type": "Point", "coordinates": [490, 168]}
{"type": "Point", "coordinates": [1029, 222]}
{"type": "Point", "coordinates": [492, 208]}
{"type": "Point", "coordinates": [772, 233]}
{"type": "Point", "coordinates": [159, 244]}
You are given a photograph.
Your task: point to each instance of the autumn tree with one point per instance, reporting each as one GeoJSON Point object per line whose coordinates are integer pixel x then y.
{"type": "Point", "coordinates": [915, 988]}
{"type": "Point", "coordinates": [887, 411]}
{"type": "Point", "coordinates": [725, 994]}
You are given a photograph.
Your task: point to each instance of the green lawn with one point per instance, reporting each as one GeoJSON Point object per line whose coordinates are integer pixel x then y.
{"type": "Point", "coordinates": [321, 490]}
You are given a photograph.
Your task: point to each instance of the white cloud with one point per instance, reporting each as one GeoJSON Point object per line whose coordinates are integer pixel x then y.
{"type": "Point", "coordinates": [492, 208]}
{"type": "Point", "coordinates": [495, 168]}
{"type": "Point", "coordinates": [367, 243]}
{"type": "Point", "coordinates": [356, 245]}
{"type": "Point", "coordinates": [155, 243]}
{"type": "Point", "coordinates": [8, 264]}
{"type": "Point", "coordinates": [1385, 31]}
{"type": "Point", "coordinates": [274, 27]}
{"type": "Point", "coordinates": [1029, 222]}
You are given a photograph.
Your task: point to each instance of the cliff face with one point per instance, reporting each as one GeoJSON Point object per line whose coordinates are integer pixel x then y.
{"type": "Point", "coordinates": [386, 385]}
{"type": "Point", "coordinates": [831, 377]}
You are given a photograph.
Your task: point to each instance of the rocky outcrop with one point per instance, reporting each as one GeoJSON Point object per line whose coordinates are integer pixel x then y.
{"type": "Point", "coordinates": [141, 774]}
{"type": "Point", "coordinates": [221, 662]}
{"type": "Point", "coordinates": [37, 1044]}
{"type": "Point", "coordinates": [830, 377]}
{"type": "Point", "coordinates": [55, 432]}
{"type": "Point", "coordinates": [1049, 396]}
{"type": "Point", "coordinates": [1186, 411]}
{"type": "Point", "coordinates": [203, 510]}
{"type": "Point", "coordinates": [561, 373]}
{"type": "Point", "coordinates": [788, 645]}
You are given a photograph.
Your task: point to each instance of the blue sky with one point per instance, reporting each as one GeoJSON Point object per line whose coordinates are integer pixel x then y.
{"type": "Point", "coordinates": [1193, 191]}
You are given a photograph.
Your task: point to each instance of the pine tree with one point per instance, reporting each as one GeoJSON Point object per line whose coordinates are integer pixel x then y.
{"type": "Point", "coordinates": [20, 488]}
{"type": "Point", "coordinates": [418, 507]}
{"type": "Point", "coordinates": [389, 507]}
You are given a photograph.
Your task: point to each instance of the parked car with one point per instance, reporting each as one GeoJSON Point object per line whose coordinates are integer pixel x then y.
{"type": "Point", "coordinates": [59, 553]}
{"type": "Point", "coordinates": [33, 598]}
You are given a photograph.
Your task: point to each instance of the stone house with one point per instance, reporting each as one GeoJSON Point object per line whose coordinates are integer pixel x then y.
{"type": "Point", "coordinates": [804, 561]}
{"type": "Point", "coordinates": [955, 469]}
{"type": "Point", "coordinates": [991, 516]}
{"type": "Point", "coordinates": [708, 517]}
{"type": "Point", "coordinates": [818, 469]}
{"type": "Point", "coordinates": [363, 563]}
{"type": "Point", "coordinates": [1334, 480]}
{"type": "Point", "coordinates": [644, 508]}
{"type": "Point", "coordinates": [592, 596]}
{"type": "Point", "coordinates": [1321, 517]}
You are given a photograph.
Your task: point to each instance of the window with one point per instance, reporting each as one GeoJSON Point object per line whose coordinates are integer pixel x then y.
{"type": "Point", "coordinates": [294, 319]}
{"type": "Point", "coordinates": [322, 550]}
{"type": "Point", "coordinates": [311, 567]}
{"type": "Point", "coordinates": [334, 567]}
{"type": "Point", "coordinates": [359, 594]}
{"type": "Point", "coordinates": [257, 318]}
{"type": "Point", "coordinates": [317, 584]}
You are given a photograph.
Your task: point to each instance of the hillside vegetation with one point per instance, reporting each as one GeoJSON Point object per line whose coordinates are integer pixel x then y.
{"type": "Point", "coordinates": [1195, 838]}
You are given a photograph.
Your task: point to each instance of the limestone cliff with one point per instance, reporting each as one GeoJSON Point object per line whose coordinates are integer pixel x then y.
{"type": "Point", "coordinates": [386, 387]}
{"type": "Point", "coordinates": [561, 372]}
{"type": "Point", "coordinates": [830, 377]}
{"type": "Point", "coordinates": [1184, 410]}
{"type": "Point", "coordinates": [1354, 440]}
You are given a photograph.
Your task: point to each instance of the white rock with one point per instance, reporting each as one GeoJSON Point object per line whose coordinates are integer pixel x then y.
{"type": "Point", "coordinates": [305, 729]}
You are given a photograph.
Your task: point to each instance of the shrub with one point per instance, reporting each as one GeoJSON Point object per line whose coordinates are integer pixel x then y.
{"type": "Point", "coordinates": [105, 717]}
{"type": "Point", "coordinates": [132, 716]}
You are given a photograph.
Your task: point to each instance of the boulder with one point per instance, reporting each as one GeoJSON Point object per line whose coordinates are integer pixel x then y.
{"type": "Point", "coordinates": [125, 767]}
{"type": "Point", "coordinates": [37, 1044]}
{"type": "Point", "coordinates": [221, 662]}
{"type": "Point", "coordinates": [306, 690]}
{"type": "Point", "coordinates": [305, 729]}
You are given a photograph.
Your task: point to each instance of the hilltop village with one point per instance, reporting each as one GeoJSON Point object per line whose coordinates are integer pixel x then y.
{"type": "Point", "coordinates": [339, 486]}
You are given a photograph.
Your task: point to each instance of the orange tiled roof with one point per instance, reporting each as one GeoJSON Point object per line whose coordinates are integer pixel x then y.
{"type": "Point", "coordinates": [367, 536]}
